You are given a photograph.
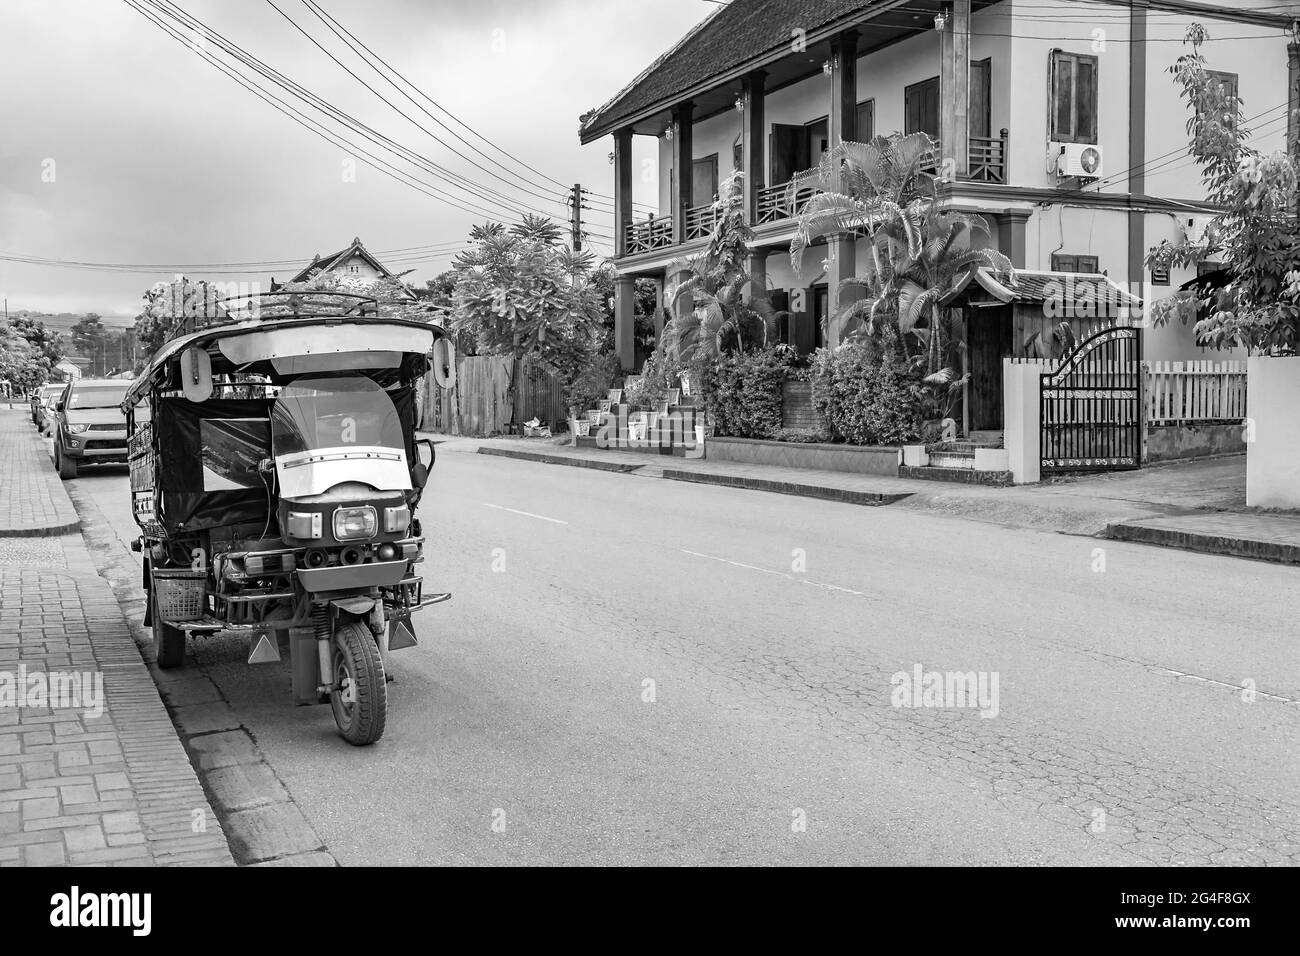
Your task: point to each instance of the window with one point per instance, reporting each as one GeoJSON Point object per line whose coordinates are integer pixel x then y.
{"type": "Point", "coordinates": [1073, 83]}
{"type": "Point", "coordinates": [865, 123]}
{"type": "Point", "coordinates": [704, 180]}
{"type": "Point", "coordinates": [1160, 275]}
{"type": "Point", "coordinates": [1072, 263]}
{"type": "Point", "coordinates": [921, 107]}
{"type": "Point", "coordinates": [1228, 82]}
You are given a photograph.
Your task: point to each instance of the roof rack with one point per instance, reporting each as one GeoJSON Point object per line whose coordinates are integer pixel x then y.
{"type": "Point", "coordinates": [299, 305]}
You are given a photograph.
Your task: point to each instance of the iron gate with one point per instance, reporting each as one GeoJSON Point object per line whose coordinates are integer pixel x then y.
{"type": "Point", "coordinates": [1091, 407]}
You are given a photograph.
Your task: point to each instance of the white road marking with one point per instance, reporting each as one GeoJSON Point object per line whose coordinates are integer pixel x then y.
{"type": "Point", "coordinates": [526, 514]}
{"type": "Point", "coordinates": [781, 574]}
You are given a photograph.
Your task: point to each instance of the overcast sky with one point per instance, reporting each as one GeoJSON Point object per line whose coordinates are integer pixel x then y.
{"type": "Point", "coordinates": [156, 157]}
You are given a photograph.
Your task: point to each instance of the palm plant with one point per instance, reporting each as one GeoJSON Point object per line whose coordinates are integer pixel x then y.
{"type": "Point", "coordinates": [919, 251]}
{"type": "Point", "coordinates": [720, 318]}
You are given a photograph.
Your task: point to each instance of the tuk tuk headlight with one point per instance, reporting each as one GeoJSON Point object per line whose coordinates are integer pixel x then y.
{"type": "Point", "coordinates": [353, 523]}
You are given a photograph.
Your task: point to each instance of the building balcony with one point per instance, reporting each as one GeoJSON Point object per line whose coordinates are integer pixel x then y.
{"type": "Point", "coordinates": [649, 234]}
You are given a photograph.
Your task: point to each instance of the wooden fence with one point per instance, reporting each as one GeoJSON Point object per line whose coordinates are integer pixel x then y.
{"type": "Point", "coordinates": [1195, 391]}
{"type": "Point", "coordinates": [478, 405]}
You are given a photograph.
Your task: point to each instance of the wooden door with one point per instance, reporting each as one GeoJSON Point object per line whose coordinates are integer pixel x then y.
{"type": "Point", "coordinates": [988, 342]}
{"type": "Point", "coordinates": [787, 142]}
{"type": "Point", "coordinates": [921, 107]}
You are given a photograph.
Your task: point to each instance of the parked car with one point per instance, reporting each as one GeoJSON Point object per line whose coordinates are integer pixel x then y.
{"type": "Point", "coordinates": [43, 400]}
{"type": "Point", "coordinates": [90, 428]}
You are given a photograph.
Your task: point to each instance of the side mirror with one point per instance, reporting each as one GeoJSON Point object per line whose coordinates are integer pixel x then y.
{"type": "Point", "coordinates": [420, 470]}
{"type": "Point", "coordinates": [58, 406]}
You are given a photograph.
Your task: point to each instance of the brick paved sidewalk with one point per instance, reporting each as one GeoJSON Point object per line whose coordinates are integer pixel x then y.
{"type": "Point", "coordinates": [32, 499]}
{"type": "Point", "coordinates": [102, 779]}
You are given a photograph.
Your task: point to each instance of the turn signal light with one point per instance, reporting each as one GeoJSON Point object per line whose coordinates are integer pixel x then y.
{"type": "Point", "coordinates": [304, 525]}
{"type": "Point", "coordinates": [396, 519]}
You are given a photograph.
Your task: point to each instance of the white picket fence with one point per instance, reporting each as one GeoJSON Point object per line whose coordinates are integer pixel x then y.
{"type": "Point", "coordinates": [1195, 391]}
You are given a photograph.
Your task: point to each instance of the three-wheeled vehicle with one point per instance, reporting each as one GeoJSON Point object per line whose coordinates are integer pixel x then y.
{"type": "Point", "coordinates": [275, 475]}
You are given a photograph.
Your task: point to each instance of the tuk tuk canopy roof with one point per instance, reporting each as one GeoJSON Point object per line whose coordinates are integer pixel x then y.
{"type": "Point", "coordinates": [283, 347]}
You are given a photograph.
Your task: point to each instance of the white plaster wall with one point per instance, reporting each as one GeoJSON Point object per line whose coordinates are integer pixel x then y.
{"type": "Point", "coordinates": [1273, 449]}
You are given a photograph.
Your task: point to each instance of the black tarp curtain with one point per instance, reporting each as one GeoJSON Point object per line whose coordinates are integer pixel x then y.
{"type": "Point", "coordinates": [230, 447]}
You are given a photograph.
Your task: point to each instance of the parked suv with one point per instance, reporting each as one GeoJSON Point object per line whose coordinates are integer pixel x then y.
{"type": "Point", "coordinates": [43, 400]}
{"type": "Point", "coordinates": [91, 427]}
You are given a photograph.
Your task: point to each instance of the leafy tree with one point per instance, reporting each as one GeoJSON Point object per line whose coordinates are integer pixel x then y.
{"type": "Point", "coordinates": [721, 319]}
{"type": "Point", "coordinates": [91, 337]}
{"type": "Point", "coordinates": [521, 291]}
{"type": "Point", "coordinates": [28, 352]}
{"type": "Point", "coordinates": [1257, 233]}
{"type": "Point", "coordinates": [173, 308]}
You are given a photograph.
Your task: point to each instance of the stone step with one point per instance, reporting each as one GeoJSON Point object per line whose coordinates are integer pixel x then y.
{"type": "Point", "coordinates": [952, 459]}
{"type": "Point", "coordinates": [967, 476]}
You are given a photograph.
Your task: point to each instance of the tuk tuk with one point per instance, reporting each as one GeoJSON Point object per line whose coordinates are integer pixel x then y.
{"type": "Point", "coordinates": [275, 475]}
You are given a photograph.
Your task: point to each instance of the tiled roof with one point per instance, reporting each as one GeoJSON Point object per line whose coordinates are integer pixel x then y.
{"type": "Point", "coordinates": [729, 37]}
{"type": "Point", "coordinates": [1034, 285]}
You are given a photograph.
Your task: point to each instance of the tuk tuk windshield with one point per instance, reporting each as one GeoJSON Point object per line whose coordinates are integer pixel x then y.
{"type": "Point", "coordinates": [334, 413]}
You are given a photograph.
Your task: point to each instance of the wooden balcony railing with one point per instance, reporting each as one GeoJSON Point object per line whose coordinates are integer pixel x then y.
{"type": "Point", "coordinates": [700, 221]}
{"type": "Point", "coordinates": [988, 158]}
{"type": "Point", "coordinates": [653, 233]}
{"type": "Point", "coordinates": [781, 202]}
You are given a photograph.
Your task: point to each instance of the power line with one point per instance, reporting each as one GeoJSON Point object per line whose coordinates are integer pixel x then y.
{"type": "Point", "coordinates": [510, 205]}
{"type": "Point", "coordinates": [311, 126]}
{"type": "Point", "coordinates": [548, 197]}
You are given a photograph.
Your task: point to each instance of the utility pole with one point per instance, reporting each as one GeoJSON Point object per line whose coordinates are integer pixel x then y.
{"type": "Point", "coordinates": [575, 219]}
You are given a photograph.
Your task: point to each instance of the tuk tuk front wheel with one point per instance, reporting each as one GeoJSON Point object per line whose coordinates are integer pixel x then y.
{"type": "Point", "coordinates": [168, 641]}
{"type": "Point", "coordinates": [360, 697]}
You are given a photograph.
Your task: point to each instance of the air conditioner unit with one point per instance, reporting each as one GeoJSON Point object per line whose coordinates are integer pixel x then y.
{"type": "Point", "coordinates": [1078, 159]}
{"type": "Point", "coordinates": [1196, 229]}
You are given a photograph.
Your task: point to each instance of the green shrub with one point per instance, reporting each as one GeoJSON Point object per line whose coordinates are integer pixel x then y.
{"type": "Point", "coordinates": [743, 391]}
{"type": "Point", "coordinates": [592, 383]}
{"type": "Point", "coordinates": [863, 391]}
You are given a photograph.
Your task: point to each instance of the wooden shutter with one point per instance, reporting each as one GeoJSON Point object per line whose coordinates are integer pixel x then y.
{"type": "Point", "coordinates": [704, 180]}
{"type": "Point", "coordinates": [921, 107]}
{"type": "Point", "coordinates": [1072, 78]}
{"type": "Point", "coordinates": [785, 148]}
{"type": "Point", "coordinates": [981, 117]}
{"type": "Point", "coordinates": [866, 121]}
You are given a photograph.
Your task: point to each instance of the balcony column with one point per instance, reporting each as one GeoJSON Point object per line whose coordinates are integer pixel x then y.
{"type": "Point", "coordinates": [756, 266]}
{"type": "Point", "coordinates": [659, 281]}
{"type": "Point", "coordinates": [625, 321]}
{"type": "Point", "coordinates": [683, 155]}
{"type": "Point", "coordinates": [843, 110]}
{"type": "Point", "coordinates": [954, 89]}
{"type": "Point", "coordinates": [753, 132]}
{"type": "Point", "coordinates": [622, 189]}
{"type": "Point", "coordinates": [1293, 99]}
{"type": "Point", "coordinates": [1011, 235]}
{"type": "Point", "coordinates": [841, 254]}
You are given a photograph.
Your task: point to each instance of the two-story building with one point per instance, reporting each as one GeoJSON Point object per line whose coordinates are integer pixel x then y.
{"type": "Point", "coordinates": [1058, 120]}
{"type": "Point", "coordinates": [353, 264]}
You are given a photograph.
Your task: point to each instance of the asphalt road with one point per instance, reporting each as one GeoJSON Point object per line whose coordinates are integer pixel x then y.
{"type": "Point", "coordinates": [636, 671]}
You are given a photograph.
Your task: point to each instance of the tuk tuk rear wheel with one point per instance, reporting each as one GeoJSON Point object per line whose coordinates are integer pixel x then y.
{"type": "Point", "coordinates": [360, 697]}
{"type": "Point", "coordinates": [168, 641]}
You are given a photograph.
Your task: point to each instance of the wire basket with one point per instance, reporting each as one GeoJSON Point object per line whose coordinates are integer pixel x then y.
{"type": "Point", "coordinates": [181, 595]}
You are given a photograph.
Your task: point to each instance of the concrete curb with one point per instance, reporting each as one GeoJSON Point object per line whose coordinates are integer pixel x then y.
{"type": "Point", "coordinates": [546, 459]}
{"type": "Point", "coordinates": [1271, 551]}
{"type": "Point", "coordinates": [41, 531]}
{"type": "Point", "coordinates": [255, 812]}
{"type": "Point", "coordinates": [66, 519]}
{"type": "Point", "coordinates": [845, 495]}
